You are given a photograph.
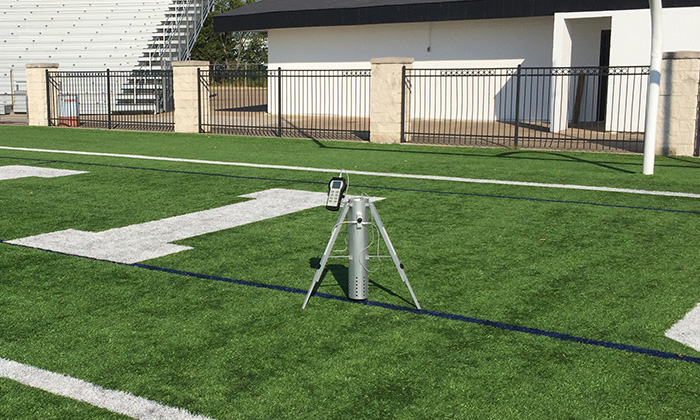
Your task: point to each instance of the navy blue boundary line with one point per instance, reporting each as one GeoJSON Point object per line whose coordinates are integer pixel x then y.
{"type": "Point", "coordinates": [437, 314]}
{"type": "Point", "coordinates": [35, 160]}
{"type": "Point", "coordinates": [506, 197]}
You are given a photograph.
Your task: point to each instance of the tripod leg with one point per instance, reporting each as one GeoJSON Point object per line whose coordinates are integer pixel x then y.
{"type": "Point", "coordinates": [326, 253]}
{"type": "Point", "coordinates": [392, 252]}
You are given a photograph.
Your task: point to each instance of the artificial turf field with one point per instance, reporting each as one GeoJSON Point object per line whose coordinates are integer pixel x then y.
{"type": "Point", "coordinates": [538, 302]}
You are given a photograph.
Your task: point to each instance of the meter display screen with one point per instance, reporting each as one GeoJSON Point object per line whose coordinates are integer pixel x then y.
{"type": "Point", "coordinates": [336, 188]}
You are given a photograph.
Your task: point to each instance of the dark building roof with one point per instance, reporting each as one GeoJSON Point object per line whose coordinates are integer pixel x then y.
{"type": "Point", "coordinates": [275, 14]}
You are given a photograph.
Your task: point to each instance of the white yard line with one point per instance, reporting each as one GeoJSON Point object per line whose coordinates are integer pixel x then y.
{"type": "Point", "coordinates": [368, 173]}
{"type": "Point", "coordinates": [116, 401]}
{"type": "Point", "coordinates": [22, 171]}
{"type": "Point", "coordinates": [145, 241]}
{"type": "Point", "coordinates": [687, 330]}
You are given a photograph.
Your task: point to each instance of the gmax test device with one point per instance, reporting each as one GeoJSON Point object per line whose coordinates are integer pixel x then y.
{"type": "Point", "coordinates": [358, 214]}
{"type": "Point", "coordinates": [336, 191]}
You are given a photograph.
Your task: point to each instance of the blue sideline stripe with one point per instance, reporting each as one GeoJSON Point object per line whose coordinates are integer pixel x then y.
{"type": "Point", "coordinates": [393, 307]}
{"type": "Point", "coordinates": [506, 197]}
{"type": "Point", "coordinates": [437, 314]}
{"type": "Point", "coordinates": [35, 160]}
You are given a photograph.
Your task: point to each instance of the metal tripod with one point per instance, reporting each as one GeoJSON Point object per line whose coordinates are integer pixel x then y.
{"type": "Point", "coordinates": [334, 236]}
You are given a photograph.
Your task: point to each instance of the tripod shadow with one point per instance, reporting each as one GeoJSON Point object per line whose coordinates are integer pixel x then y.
{"type": "Point", "coordinates": [390, 292]}
{"type": "Point", "coordinates": [340, 273]}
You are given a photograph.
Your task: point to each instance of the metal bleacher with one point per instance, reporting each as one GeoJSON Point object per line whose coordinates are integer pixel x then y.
{"type": "Point", "coordinates": [92, 35]}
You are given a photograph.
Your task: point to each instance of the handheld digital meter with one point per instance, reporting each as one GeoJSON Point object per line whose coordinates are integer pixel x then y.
{"type": "Point", "coordinates": [336, 190]}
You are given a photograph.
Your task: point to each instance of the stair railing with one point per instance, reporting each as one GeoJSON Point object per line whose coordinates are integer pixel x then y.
{"type": "Point", "coordinates": [182, 31]}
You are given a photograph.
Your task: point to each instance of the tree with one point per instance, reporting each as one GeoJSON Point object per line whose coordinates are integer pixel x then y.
{"type": "Point", "coordinates": [230, 49]}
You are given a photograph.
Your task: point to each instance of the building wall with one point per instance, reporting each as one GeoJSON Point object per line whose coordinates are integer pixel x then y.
{"type": "Point", "coordinates": [482, 44]}
{"type": "Point", "coordinates": [577, 43]}
{"type": "Point", "coordinates": [567, 39]}
{"type": "Point", "coordinates": [491, 43]}
{"type": "Point", "coordinates": [564, 40]}
{"type": "Point", "coordinates": [631, 33]}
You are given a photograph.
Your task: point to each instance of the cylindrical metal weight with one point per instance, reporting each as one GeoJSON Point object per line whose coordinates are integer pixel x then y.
{"type": "Point", "coordinates": [358, 249]}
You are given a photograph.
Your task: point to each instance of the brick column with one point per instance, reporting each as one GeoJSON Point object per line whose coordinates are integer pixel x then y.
{"type": "Point", "coordinates": [37, 100]}
{"type": "Point", "coordinates": [678, 104]}
{"type": "Point", "coordinates": [385, 103]}
{"type": "Point", "coordinates": [186, 88]}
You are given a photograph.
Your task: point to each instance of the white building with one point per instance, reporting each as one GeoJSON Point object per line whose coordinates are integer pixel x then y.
{"type": "Point", "coordinates": [333, 34]}
{"type": "Point", "coordinates": [463, 34]}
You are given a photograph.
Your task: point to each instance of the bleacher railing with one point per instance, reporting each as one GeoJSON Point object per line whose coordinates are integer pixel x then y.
{"type": "Point", "coordinates": [180, 32]}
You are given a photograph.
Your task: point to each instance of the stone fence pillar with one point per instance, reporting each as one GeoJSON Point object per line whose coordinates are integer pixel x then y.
{"type": "Point", "coordinates": [678, 104]}
{"type": "Point", "coordinates": [37, 101]}
{"type": "Point", "coordinates": [385, 104]}
{"type": "Point", "coordinates": [186, 88]}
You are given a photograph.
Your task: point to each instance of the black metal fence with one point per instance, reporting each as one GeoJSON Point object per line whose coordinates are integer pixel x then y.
{"type": "Point", "coordinates": [579, 108]}
{"type": "Point", "coordinates": [324, 104]}
{"type": "Point", "coordinates": [122, 100]}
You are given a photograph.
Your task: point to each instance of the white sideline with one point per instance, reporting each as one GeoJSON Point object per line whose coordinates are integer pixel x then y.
{"type": "Point", "coordinates": [116, 401]}
{"type": "Point", "coordinates": [368, 173]}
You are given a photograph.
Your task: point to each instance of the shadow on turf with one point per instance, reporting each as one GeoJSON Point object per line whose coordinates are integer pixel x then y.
{"type": "Point", "coordinates": [692, 163]}
{"type": "Point", "coordinates": [340, 273]}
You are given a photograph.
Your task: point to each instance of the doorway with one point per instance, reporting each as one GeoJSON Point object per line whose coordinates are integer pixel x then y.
{"type": "Point", "coordinates": [604, 64]}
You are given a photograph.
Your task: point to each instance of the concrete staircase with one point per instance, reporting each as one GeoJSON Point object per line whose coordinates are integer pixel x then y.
{"type": "Point", "coordinates": [172, 40]}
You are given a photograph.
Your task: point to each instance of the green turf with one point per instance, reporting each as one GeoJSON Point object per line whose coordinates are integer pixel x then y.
{"type": "Point", "coordinates": [227, 351]}
{"type": "Point", "coordinates": [19, 401]}
{"type": "Point", "coordinates": [520, 165]}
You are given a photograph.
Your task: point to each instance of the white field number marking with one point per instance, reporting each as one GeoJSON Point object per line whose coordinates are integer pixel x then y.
{"type": "Point", "coordinates": [115, 401]}
{"type": "Point", "coordinates": [687, 330]}
{"type": "Point", "coordinates": [21, 171]}
{"type": "Point", "coordinates": [145, 241]}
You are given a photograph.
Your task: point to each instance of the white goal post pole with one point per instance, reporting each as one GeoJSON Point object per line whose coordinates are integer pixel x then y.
{"type": "Point", "coordinates": [654, 86]}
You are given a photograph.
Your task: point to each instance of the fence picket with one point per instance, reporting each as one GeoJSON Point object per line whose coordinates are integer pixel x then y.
{"type": "Point", "coordinates": [555, 107]}
{"type": "Point", "coordinates": [324, 104]}
{"type": "Point", "coordinates": [122, 100]}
